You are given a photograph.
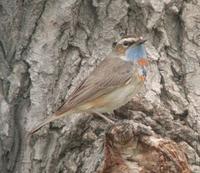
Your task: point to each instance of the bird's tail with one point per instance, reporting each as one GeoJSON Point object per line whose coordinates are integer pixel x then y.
{"type": "Point", "coordinates": [44, 122]}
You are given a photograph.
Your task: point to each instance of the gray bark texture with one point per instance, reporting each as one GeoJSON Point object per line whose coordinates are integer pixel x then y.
{"type": "Point", "coordinates": [48, 46]}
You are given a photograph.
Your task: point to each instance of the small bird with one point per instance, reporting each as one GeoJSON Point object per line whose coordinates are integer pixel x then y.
{"type": "Point", "coordinates": [112, 84]}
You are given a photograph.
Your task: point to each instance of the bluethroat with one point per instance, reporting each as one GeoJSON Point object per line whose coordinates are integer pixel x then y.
{"type": "Point", "coordinates": [112, 84]}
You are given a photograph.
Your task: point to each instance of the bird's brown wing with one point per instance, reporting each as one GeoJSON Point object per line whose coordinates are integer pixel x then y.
{"type": "Point", "coordinates": [110, 74]}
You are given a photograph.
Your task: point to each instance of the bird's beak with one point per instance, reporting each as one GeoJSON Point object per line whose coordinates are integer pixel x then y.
{"type": "Point", "coordinates": [141, 40]}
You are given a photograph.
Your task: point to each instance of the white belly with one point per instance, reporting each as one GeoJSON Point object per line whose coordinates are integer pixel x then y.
{"type": "Point", "coordinates": [119, 97]}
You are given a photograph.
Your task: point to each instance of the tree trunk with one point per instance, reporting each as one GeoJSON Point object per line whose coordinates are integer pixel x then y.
{"type": "Point", "coordinates": [48, 46]}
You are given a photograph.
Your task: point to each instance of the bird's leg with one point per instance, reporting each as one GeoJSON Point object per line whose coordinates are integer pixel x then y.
{"type": "Point", "coordinates": [104, 117]}
{"type": "Point", "coordinates": [112, 116]}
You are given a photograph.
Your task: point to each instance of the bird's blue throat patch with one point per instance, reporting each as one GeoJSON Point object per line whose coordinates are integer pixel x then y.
{"type": "Point", "coordinates": [135, 53]}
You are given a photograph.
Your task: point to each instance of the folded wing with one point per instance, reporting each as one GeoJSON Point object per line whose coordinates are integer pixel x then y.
{"type": "Point", "coordinates": [110, 74]}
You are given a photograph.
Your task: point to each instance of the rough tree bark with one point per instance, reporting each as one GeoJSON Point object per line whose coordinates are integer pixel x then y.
{"type": "Point", "coordinates": [48, 46]}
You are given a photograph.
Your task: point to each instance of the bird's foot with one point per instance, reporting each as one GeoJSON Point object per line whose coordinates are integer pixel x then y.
{"type": "Point", "coordinates": [112, 116]}
{"type": "Point", "coordinates": [105, 118]}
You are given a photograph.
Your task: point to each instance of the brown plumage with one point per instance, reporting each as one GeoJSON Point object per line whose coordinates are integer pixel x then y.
{"type": "Point", "coordinates": [109, 86]}
{"type": "Point", "coordinates": [109, 75]}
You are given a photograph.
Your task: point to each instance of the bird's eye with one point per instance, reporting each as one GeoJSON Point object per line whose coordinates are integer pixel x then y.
{"type": "Point", "coordinates": [126, 43]}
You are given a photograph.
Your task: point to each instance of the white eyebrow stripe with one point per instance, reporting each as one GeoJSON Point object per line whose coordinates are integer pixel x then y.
{"type": "Point", "coordinates": [127, 39]}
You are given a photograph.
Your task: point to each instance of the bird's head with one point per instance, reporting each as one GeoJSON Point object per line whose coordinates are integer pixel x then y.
{"type": "Point", "coordinates": [132, 49]}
